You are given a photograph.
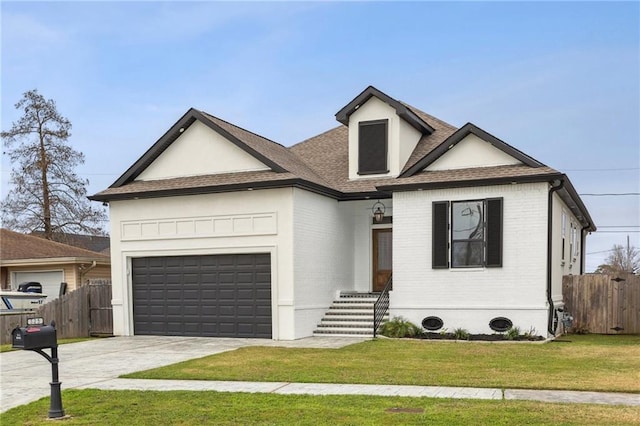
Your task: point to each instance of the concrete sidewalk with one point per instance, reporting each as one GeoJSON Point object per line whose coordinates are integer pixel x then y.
{"type": "Point", "coordinates": [97, 364]}
{"type": "Point", "coordinates": [284, 388]}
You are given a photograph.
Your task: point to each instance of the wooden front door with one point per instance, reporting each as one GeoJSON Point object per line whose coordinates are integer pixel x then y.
{"type": "Point", "coordinates": [382, 249]}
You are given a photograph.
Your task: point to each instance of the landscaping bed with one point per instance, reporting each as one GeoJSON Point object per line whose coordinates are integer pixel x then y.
{"type": "Point", "coordinates": [480, 337]}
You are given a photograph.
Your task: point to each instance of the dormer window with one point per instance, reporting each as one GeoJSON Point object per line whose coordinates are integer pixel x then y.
{"type": "Point", "coordinates": [373, 147]}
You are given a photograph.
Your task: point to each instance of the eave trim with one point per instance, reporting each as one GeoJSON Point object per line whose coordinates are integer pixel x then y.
{"type": "Point", "coordinates": [457, 137]}
{"type": "Point", "coordinates": [174, 133]}
{"type": "Point", "coordinates": [402, 110]}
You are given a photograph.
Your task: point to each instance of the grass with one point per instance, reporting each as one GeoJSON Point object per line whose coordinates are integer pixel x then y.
{"type": "Point", "coordinates": [91, 407]}
{"type": "Point", "coordinates": [589, 362]}
{"type": "Point", "coordinates": [8, 348]}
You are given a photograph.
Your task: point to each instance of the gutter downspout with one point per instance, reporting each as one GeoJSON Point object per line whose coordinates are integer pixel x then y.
{"type": "Point", "coordinates": [583, 240]}
{"type": "Point", "coordinates": [83, 272]}
{"type": "Point", "coordinates": [555, 187]}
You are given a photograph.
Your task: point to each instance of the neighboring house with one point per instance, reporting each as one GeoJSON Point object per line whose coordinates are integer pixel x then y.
{"type": "Point", "coordinates": [26, 258]}
{"type": "Point", "coordinates": [97, 243]}
{"type": "Point", "coordinates": [217, 231]}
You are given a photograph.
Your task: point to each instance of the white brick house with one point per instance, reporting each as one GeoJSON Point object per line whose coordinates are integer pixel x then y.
{"type": "Point", "coordinates": [217, 231]}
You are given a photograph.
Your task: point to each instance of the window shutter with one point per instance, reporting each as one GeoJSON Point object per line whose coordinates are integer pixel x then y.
{"type": "Point", "coordinates": [494, 232]}
{"type": "Point", "coordinates": [372, 147]}
{"type": "Point", "coordinates": [440, 235]}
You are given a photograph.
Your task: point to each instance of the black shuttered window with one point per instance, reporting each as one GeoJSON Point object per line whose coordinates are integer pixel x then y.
{"type": "Point", "coordinates": [467, 234]}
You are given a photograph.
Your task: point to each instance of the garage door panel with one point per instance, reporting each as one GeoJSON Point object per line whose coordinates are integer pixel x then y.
{"type": "Point", "coordinates": [209, 294]}
{"type": "Point", "coordinates": [227, 311]}
{"type": "Point", "coordinates": [245, 294]}
{"type": "Point", "coordinates": [263, 311]}
{"type": "Point", "coordinates": [213, 295]}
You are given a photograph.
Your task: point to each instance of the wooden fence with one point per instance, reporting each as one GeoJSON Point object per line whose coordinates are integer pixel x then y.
{"type": "Point", "coordinates": [81, 313]}
{"type": "Point", "coordinates": [603, 304]}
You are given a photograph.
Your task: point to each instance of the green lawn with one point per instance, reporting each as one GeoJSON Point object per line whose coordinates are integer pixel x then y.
{"type": "Point", "coordinates": [94, 407]}
{"type": "Point", "coordinates": [590, 362]}
{"type": "Point", "coordinates": [8, 348]}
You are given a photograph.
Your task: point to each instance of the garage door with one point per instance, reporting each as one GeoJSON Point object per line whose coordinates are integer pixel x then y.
{"type": "Point", "coordinates": [215, 295]}
{"type": "Point", "coordinates": [50, 281]}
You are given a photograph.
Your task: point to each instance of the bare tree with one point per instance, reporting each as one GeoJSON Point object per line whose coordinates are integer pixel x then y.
{"type": "Point", "coordinates": [621, 260]}
{"type": "Point", "coordinates": [46, 194]}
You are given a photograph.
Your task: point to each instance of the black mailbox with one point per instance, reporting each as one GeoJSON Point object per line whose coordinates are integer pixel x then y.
{"type": "Point", "coordinates": [34, 337]}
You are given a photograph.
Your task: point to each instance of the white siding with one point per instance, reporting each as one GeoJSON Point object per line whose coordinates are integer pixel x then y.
{"type": "Point", "coordinates": [323, 257]}
{"type": "Point", "coordinates": [257, 221]}
{"type": "Point", "coordinates": [472, 152]}
{"type": "Point", "coordinates": [571, 262]}
{"type": "Point", "coordinates": [471, 298]}
{"type": "Point", "coordinates": [200, 151]}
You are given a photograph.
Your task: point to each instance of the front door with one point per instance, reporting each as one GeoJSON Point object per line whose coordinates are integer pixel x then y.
{"type": "Point", "coordinates": [382, 246]}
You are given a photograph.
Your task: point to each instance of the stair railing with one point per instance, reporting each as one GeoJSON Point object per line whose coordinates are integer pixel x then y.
{"type": "Point", "coordinates": [381, 306]}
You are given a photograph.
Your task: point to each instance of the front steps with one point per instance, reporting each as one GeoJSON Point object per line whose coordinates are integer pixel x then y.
{"type": "Point", "coordinates": [351, 315]}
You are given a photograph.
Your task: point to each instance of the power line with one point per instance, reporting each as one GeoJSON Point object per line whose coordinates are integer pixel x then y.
{"type": "Point", "coordinates": [618, 232]}
{"type": "Point", "coordinates": [615, 169]}
{"type": "Point", "coordinates": [599, 252]}
{"type": "Point", "coordinates": [619, 194]}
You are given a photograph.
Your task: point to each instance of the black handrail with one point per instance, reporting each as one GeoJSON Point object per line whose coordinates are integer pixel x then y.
{"type": "Point", "coordinates": [381, 306]}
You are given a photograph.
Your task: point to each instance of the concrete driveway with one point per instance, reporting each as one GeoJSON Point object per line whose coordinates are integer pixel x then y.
{"type": "Point", "coordinates": [25, 375]}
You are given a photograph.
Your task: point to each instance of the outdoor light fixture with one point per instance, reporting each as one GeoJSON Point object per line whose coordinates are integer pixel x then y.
{"type": "Point", "coordinates": [378, 210]}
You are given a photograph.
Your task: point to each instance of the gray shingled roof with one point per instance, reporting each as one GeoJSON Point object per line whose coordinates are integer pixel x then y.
{"type": "Point", "coordinates": [320, 163]}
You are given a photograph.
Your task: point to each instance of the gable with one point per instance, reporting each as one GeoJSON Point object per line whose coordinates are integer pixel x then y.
{"type": "Point", "coordinates": [380, 140]}
{"type": "Point", "coordinates": [200, 150]}
{"type": "Point", "coordinates": [472, 152]}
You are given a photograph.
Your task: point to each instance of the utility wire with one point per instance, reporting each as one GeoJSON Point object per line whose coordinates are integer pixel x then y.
{"type": "Point", "coordinates": [618, 232]}
{"type": "Point", "coordinates": [603, 170]}
{"type": "Point", "coordinates": [619, 194]}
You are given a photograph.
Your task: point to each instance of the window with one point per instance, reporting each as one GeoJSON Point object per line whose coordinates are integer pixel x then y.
{"type": "Point", "coordinates": [574, 241]}
{"type": "Point", "coordinates": [372, 147]}
{"type": "Point", "coordinates": [467, 234]}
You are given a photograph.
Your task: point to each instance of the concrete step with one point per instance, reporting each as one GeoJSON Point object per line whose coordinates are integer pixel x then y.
{"type": "Point", "coordinates": [345, 324]}
{"type": "Point", "coordinates": [354, 295]}
{"type": "Point", "coordinates": [350, 315]}
{"type": "Point", "coordinates": [343, 332]}
{"type": "Point", "coordinates": [356, 305]}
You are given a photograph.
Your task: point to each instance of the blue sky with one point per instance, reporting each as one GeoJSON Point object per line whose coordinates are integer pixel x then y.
{"type": "Point", "coordinates": [559, 81]}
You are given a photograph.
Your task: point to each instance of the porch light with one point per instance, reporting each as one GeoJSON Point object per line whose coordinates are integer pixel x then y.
{"type": "Point", "coordinates": [378, 210]}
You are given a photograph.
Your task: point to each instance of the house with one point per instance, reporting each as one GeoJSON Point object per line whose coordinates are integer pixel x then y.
{"type": "Point", "coordinates": [97, 243]}
{"type": "Point", "coordinates": [25, 258]}
{"type": "Point", "coordinates": [218, 231]}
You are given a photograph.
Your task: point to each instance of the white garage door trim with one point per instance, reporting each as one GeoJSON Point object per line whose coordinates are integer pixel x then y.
{"type": "Point", "coordinates": [235, 306]}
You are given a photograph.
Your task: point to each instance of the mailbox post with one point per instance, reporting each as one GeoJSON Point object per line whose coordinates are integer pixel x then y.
{"type": "Point", "coordinates": [35, 337]}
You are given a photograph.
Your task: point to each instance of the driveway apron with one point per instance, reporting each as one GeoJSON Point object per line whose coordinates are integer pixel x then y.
{"type": "Point", "coordinates": [25, 375]}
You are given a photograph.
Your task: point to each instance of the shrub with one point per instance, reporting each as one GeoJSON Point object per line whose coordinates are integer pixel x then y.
{"type": "Point", "coordinates": [512, 334]}
{"type": "Point", "coordinates": [531, 334]}
{"type": "Point", "coordinates": [400, 327]}
{"type": "Point", "coordinates": [461, 334]}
